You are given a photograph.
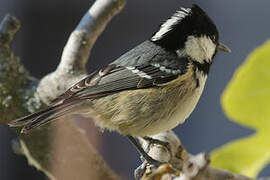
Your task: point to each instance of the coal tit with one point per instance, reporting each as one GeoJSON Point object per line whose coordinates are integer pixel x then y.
{"type": "Point", "coordinates": [151, 88]}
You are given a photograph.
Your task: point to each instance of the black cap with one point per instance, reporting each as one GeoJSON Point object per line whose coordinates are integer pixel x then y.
{"type": "Point", "coordinates": [173, 33]}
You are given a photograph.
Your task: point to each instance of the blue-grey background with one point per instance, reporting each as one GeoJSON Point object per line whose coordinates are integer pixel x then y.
{"type": "Point", "coordinates": [46, 25]}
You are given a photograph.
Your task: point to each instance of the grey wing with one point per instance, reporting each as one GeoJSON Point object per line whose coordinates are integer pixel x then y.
{"type": "Point", "coordinates": [144, 53]}
{"type": "Point", "coordinates": [142, 67]}
{"type": "Point", "coordinates": [113, 79]}
{"type": "Point", "coordinates": [135, 70]}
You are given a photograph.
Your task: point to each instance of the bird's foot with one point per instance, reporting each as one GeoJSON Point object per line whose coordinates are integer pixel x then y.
{"type": "Point", "coordinates": [157, 141]}
{"type": "Point", "coordinates": [146, 167]}
{"type": "Point", "coordinates": [149, 164]}
{"type": "Point", "coordinates": [148, 161]}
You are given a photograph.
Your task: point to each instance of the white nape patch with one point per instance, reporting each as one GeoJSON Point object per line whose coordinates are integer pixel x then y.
{"type": "Point", "coordinates": [138, 72]}
{"type": "Point", "coordinates": [198, 48]}
{"type": "Point", "coordinates": [167, 25]}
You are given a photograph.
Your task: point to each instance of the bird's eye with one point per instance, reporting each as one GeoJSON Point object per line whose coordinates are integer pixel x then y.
{"type": "Point", "coordinates": [213, 38]}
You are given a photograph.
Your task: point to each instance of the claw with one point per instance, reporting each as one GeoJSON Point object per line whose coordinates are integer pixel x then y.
{"type": "Point", "coordinates": [139, 171]}
{"type": "Point", "coordinates": [157, 141]}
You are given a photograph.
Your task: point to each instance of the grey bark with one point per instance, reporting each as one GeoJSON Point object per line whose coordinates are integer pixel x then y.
{"type": "Point", "coordinates": [21, 94]}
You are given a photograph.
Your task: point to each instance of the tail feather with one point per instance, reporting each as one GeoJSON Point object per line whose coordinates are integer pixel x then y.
{"type": "Point", "coordinates": [29, 118]}
{"type": "Point", "coordinates": [44, 116]}
{"type": "Point", "coordinates": [49, 117]}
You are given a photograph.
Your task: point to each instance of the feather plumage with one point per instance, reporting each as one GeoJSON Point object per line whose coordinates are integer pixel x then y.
{"type": "Point", "coordinates": [112, 79]}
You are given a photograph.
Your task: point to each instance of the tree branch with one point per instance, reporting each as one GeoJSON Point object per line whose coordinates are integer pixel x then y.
{"type": "Point", "coordinates": [183, 166]}
{"type": "Point", "coordinates": [82, 39]}
{"type": "Point", "coordinates": [78, 47]}
{"type": "Point", "coordinates": [21, 94]}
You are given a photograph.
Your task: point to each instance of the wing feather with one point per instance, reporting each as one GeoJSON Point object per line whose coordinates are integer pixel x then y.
{"type": "Point", "coordinates": [119, 78]}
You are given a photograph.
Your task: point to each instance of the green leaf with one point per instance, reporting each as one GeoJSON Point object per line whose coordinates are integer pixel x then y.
{"type": "Point", "coordinates": [246, 101]}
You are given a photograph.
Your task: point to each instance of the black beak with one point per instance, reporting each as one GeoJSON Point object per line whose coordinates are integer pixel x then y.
{"type": "Point", "coordinates": [223, 47]}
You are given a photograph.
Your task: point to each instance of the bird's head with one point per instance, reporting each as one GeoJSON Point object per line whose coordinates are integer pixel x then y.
{"type": "Point", "coordinates": [190, 32]}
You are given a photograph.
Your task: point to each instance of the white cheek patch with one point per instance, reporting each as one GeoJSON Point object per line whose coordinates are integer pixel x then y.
{"type": "Point", "coordinates": [199, 48]}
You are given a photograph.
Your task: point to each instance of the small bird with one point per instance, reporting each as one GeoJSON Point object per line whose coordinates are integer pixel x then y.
{"type": "Point", "coordinates": [150, 89]}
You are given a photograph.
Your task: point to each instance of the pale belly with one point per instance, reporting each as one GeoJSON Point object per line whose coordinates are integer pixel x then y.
{"type": "Point", "coordinates": [182, 111]}
{"type": "Point", "coordinates": [148, 112]}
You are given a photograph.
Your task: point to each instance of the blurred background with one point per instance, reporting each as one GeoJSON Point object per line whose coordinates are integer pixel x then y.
{"type": "Point", "coordinates": [46, 26]}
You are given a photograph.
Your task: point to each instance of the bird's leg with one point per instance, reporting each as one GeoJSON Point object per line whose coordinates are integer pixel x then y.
{"type": "Point", "coordinates": [149, 159]}
{"type": "Point", "coordinates": [157, 141]}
